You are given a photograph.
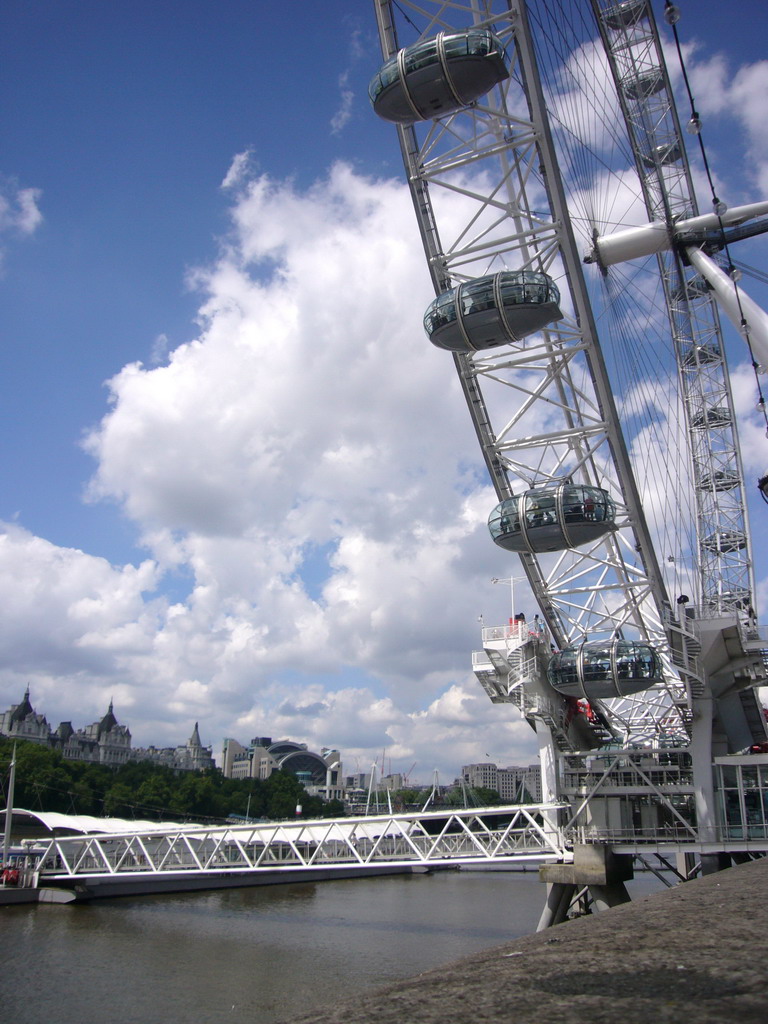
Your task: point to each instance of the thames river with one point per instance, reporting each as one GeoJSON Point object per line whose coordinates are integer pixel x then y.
{"type": "Point", "coordinates": [255, 955]}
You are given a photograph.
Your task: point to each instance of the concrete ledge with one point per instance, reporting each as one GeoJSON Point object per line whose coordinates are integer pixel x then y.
{"type": "Point", "coordinates": [694, 953]}
{"type": "Point", "coordinates": [592, 865]}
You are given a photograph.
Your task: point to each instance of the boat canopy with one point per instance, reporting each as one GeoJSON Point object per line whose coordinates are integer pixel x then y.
{"type": "Point", "coordinates": [438, 76]}
{"type": "Point", "coordinates": [44, 824]}
{"type": "Point", "coordinates": [552, 518]}
{"type": "Point", "coordinates": [601, 670]}
{"type": "Point", "coordinates": [493, 310]}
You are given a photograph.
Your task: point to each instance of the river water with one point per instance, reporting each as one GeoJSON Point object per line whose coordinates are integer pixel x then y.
{"type": "Point", "coordinates": [255, 955]}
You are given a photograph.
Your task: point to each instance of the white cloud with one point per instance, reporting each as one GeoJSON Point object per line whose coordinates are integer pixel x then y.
{"type": "Point", "coordinates": [20, 213]}
{"type": "Point", "coordinates": [19, 210]}
{"type": "Point", "coordinates": [751, 421]}
{"type": "Point", "coordinates": [357, 53]}
{"type": "Point", "coordinates": [238, 170]}
{"type": "Point", "coordinates": [71, 622]}
{"type": "Point", "coordinates": [721, 93]}
{"type": "Point", "coordinates": [159, 349]}
{"type": "Point", "coordinates": [306, 466]}
{"type": "Point", "coordinates": [748, 98]}
{"type": "Point", "coordinates": [344, 113]}
{"type": "Point", "coordinates": [305, 470]}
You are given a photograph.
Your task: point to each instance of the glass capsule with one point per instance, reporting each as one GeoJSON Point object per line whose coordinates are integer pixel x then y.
{"type": "Point", "coordinates": [493, 310]}
{"type": "Point", "coordinates": [438, 76]}
{"type": "Point", "coordinates": [603, 670]}
{"type": "Point", "coordinates": [624, 15]}
{"type": "Point", "coordinates": [552, 518]}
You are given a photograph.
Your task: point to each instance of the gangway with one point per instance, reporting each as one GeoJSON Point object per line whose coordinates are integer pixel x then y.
{"type": "Point", "coordinates": [190, 857]}
{"type": "Point", "coordinates": [156, 858]}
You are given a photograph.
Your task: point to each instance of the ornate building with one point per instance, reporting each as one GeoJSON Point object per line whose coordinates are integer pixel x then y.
{"type": "Point", "coordinates": [22, 722]}
{"type": "Point", "coordinates": [193, 757]}
{"type": "Point", "coordinates": [102, 742]}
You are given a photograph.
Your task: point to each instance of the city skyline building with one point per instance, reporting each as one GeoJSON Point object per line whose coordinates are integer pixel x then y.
{"type": "Point", "coordinates": [320, 774]}
{"type": "Point", "coordinates": [102, 742]}
{"type": "Point", "coordinates": [514, 784]}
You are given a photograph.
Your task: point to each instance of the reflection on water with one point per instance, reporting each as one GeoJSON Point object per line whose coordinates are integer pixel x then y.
{"type": "Point", "coordinates": [255, 955]}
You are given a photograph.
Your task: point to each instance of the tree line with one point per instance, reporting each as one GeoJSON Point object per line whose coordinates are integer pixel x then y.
{"type": "Point", "coordinates": [45, 781]}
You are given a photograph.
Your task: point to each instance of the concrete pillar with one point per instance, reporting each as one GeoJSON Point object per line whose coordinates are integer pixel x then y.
{"type": "Point", "coordinates": [593, 865]}
{"type": "Point", "coordinates": [606, 896]}
{"type": "Point", "coordinates": [701, 756]}
{"type": "Point", "coordinates": [685, 863]}
{"type": "Point", "coordinates": [713, 862]}
{"type": "Point", "coordinates": [550, 787]}
{"type": "Point", "coordinates": [559, 896]}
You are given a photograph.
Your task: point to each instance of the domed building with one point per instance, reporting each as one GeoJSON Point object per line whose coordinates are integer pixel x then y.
{"type": "Point", "coordinates": [319, 773]}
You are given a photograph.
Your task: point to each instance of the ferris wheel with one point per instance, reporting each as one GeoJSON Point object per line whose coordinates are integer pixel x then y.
{"type": "Point", "coordinates": [575, 282]}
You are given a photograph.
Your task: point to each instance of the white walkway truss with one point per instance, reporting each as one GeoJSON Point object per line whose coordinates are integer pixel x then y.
{"type": "Point", "coordinates": [431, 839]}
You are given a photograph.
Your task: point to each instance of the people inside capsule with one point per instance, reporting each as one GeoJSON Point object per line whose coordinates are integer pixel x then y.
{"type": "Point", "coordinates": [602, 670]}
{"type": "Point", "coordinates": [493, 310]}
{"type": "Point", "coordinates": [552, 518]}
{"type": "Point", "coordinates": [438, 76]}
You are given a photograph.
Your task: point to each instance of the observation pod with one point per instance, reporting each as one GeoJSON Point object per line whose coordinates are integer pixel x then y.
{"type": "Point", "coordinates": [625, 14]}
{"type": "Point", "coordinates": [702, 355]}
{"type": "Point", "coordinates": [552, 518]}
{"type": "Point", "coordinates": [438, 76]}
{"type": "Point", "coordinates": [715, 416]}
{"type": "Point", "coordinates": [644, 86]}
{"type": "Point", "coordinates": [602, 670]}
{"type": "Point", "coordinates": [739, 598]}
{"type": "Point", "coordinates": [725, 540]}
{"type": "Point", "coordinates": [666, 154]}
{"type": "Point", "coordinates": [696, 288]}
{"type": "Point", "coordinates": [493, 310]}
{"type": "Point", "coordinates": [720, 480]}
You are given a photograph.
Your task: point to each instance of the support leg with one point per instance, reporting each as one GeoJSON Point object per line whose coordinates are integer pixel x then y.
{"type": "Point", "coordinates": [559, 896]}
{"type": "Point", "coordinates": [606, 896]}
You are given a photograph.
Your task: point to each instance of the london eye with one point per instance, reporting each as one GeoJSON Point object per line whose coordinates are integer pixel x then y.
{"type": "Point", "coordinates": [577, 286]}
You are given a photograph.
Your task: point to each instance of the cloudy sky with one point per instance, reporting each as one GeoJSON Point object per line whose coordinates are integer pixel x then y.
{"type": "Point", "coordinates": [238, 485]}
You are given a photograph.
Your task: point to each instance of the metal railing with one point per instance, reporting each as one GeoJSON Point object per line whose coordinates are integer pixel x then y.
{"type": "Point", "coordinates": [673, 833]}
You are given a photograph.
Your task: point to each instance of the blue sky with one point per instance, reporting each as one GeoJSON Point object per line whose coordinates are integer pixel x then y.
{"type": "Point", "coordinates": [126, 117]}
{"type": "Point", "coordinates": [119, 124]}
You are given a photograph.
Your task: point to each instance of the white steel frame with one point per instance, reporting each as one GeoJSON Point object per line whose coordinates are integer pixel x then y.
{"type": "Point", "coordinates": [434, 838]}
{"type": "Point", "coordinates": [543, 410]}
{"type": "Point", "coordinates": [725, 577]}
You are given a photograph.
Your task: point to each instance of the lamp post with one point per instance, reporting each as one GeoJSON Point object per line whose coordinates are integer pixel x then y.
{"type": "Point", "coordinates": [9, 809]}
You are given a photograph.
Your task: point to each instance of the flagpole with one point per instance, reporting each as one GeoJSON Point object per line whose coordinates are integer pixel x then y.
{"type": "Point", "coordinates": [9, 809]}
